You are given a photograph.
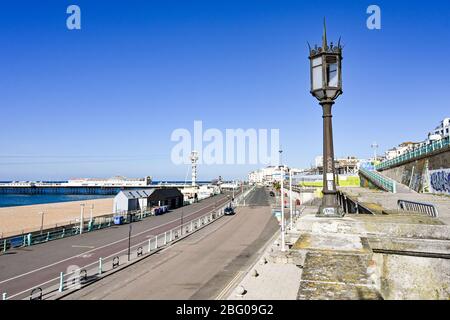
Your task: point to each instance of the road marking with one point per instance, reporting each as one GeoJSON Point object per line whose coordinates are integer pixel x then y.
{"type": "Point", "coordinates": [88, 247]}
{"type": "Point", "coordinates": [104, 246]}
{"type": "Point", "coordinates": [260, 253]}
{"type": "Point", "coordinates": [222, 293]}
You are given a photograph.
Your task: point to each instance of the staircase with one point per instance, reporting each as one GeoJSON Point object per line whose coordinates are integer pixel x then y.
{"type": "Point", "coordinates": [384, 182]}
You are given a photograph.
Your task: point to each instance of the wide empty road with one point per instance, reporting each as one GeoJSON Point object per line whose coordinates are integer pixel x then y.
{"type": "Point", "coordinates": [198, 267]}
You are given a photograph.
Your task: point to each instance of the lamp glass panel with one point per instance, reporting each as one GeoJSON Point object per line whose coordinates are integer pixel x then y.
{"type": "Point", "coordinates": [320, 94]}
{"type": "Point", "coordinates": [317, 73]}
{"type": "Point", "coordinates": [331, 94]}
{"type": "Point", "coordinates": [332, 71]}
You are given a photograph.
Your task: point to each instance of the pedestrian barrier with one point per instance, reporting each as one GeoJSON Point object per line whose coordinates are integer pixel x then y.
{"type": "Point", "coordinates": [380, 180]}
{"type": "Point", "coordinates": [427, 208]}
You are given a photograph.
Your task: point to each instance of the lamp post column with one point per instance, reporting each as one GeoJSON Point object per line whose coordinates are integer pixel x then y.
{"type": "Point", "coordinates": [81, 217]}
{"type": "Point", "coordinates": [329, 207]}
{"type": "Point", "coordinates": [42, 220]}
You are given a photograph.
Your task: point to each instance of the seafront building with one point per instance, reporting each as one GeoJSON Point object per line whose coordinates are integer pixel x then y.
{"type": "Point", "coordinates": [269, 175]}
{"type": "Point", "coordinates": [442, 131]}
{"type": "Point", "coordinates": [144, 199]}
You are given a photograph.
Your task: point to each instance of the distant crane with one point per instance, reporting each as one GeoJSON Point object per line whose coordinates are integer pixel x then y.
{"type": "Point", "coordinates": [194, 159]}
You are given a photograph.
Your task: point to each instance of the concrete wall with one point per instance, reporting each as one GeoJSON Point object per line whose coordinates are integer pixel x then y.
{"type": "Point", "coordinates": [413, 278]}
{"type": "Point", "coordinates": [424, 175]}
{"type": "Point", "coordinates": [304, 197]}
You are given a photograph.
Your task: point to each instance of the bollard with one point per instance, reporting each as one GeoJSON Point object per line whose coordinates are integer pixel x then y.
{"type": "Point", "coordinates": [61, 282]}
{"type": "Point", "coordinates": [240, 291]}
{"type": "Point", "coordinates": [156, 242]}
{"type": "Point", "coordinates": [4, 245]}
{"type": "Point", "coordinates": [116, 262]}
{"type": "Point", "coordinates": [165, 238]}
{"type": "Point", "coordinates": [29, 239]}
{"type": "Point", "coordinates": [149, 245]}
{"type": "Point", "coordinates": [171, 235]}
{"type": "Point", "coordinates": [100, 266]}
{"type": "Point", "coordinates": [4, 296]}
{"type": "Point", "coordinates": [48, 236]}
{"type": "Point", "coordinates": [192, 225]}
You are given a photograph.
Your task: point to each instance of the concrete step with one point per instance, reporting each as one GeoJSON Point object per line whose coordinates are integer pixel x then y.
{"type": "Point", "coordinates": [337, 276]}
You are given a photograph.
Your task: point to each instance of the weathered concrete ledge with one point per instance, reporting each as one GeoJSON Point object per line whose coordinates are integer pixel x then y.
{"type": "Point", "coordinates": [387, 256]}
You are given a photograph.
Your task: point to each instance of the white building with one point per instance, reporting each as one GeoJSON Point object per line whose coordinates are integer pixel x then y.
{"type": "Point", "coordinates": [440, 132]}
{"type": "Point", "coordinates": [270, 175]}
{"type": "Point", "coordinates": [143, 199]}
{"type": "Point", "coordinates": [443, 129]}
{"type": "Point", "coordinates": [255, 177]}
{"type": "Point", "coordinates": [117, 181]}
{"type": "Point", "coordinates": [235, 185]}
{"type": "Point", "coordinates": [401, 149]}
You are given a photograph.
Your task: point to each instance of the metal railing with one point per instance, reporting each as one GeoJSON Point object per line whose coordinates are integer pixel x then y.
{"type": "Point", "coordinates": [428, 208]}
{"type": "Point", "coordinates": [67, 230]}
{"type": "Point", "coordinates": [380, 180]}
{"type": "Point", "coordinates": [75, 279]}
{"type": "Point", "coordinates": [72, 228]}
{"type": "Point", "coordinates": [416, 153]}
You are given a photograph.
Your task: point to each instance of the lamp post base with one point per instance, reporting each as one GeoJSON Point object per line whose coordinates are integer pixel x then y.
{"type": "Point", "coordinates": [330, 207]}
{"type": "Point", "coordinates": [327, 211]}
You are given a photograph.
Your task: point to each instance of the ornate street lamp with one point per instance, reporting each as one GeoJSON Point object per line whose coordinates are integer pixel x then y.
{"type": "Point", "coordinates": [326, 86]}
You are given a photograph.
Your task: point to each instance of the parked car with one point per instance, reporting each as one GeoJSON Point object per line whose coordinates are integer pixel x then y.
{"type": "Point", "coordinates": [229, 211]}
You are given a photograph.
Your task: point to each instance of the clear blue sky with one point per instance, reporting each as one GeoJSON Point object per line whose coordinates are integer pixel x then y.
{"type": "Point", "coordinates": [105, 99]}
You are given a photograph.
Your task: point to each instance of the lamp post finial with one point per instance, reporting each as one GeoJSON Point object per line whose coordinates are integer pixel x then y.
{"type": "Point", "coordinates": [324, 38]}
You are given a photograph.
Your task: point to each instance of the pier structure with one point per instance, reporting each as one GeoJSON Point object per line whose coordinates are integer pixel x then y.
{"type": "Point", "coordinates": [89, 186]}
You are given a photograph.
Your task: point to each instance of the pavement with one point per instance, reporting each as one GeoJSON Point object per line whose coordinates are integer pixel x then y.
{"type": "Point", "coordinates": [202, 266]}
{"type": "Point", "coordinates": [25, 268]}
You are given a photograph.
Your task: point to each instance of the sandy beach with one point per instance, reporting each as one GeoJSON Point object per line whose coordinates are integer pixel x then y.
{"type": "Point", "coordinates": [15, 220]}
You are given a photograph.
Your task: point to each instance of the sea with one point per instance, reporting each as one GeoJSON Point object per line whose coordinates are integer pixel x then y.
{"type": "Point", "coordinates": [13, 200]}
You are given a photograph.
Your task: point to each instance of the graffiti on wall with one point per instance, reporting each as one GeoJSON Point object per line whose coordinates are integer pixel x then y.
{"type": "Point", "coordinates": [440, 181]}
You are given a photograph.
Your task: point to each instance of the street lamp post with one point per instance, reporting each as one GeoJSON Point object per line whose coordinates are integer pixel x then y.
{"type": "Point", "coordinates": [130, 220]}
{"type": "Point", "coordinates": [81, 217]}
{"type": "Point", "coordinates": [42, 220]}
{"type": "Point", "coordinates": [181, 222]}
{"type": "Point", "coordinates": [283, 248]}
{"type": "Point", "coordinates": [90, 218]}
{"type": "Point", "coordinates": [326, 86]}
{"type": "Point", "coordinates": [290, 199]}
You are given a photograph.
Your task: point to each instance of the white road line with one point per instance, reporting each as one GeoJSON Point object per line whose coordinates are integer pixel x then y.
{"type": "Point", "coordinates": [260, 253]}
{"type": "Point", "coordinates": [229, 285]}
{"type": "Point", "coordinates": [88, 247]}
{"type": "Point", "coordinates": [107, 245]}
